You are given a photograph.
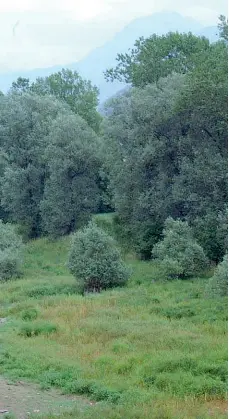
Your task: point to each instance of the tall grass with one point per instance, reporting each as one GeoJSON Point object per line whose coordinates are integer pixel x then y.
{"type": "Point", "coordinates": [150, 350]}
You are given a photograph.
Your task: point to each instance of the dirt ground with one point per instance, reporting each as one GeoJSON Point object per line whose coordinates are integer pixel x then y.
{"type": "Point", "coordinates": [25, 399]}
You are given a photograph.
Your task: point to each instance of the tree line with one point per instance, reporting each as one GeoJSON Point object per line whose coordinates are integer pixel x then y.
{"type": "Point", "coordinates": [159, 150]}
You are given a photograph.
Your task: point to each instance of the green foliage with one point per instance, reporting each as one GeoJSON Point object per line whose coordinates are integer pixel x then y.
{"type": "Point", "coordinates": [147, 234]}
{"type": "Point", "coordinates": [51, 182]}
{"type": "Point", "coordinates": [218, 284]}
{"type": "Point", "coordinates": [71, 191]}
{"type": "Point", "coordinates": [69, 87]}
{"type": "Point", "coordinates": [93, 390]}
{"type": "Point", "coordinates": [180, 256]}
{"type": "Point", "coordinates": [141, 150]}
{"type": "Point", "coordinates": [125, 347]}
{"type": "Point", "coordinates": [31, 329]}
{"type": "Point", "coordinates": [211, 233]}
{"type": "Point", "coordinates": [25, 122]}
{"type": "Point", "coordinates": [223, 27]}
{"type": "Point", "coordinates": [29, 314]}
{"type": "Point", "coordinates": [21, 85]}
{"type": "Point", "coordinates": [95, 260]}
{"type": "Point", "coordinates": [158, 56]}
{"type": "Point", "coordinates": [39, 291]}
{"type": "Point", "coordinates": [166, 147]}
{"type": "Point", "coordinates": [9, 416]}
{"type": "Point", "coordinates": [10, 252]}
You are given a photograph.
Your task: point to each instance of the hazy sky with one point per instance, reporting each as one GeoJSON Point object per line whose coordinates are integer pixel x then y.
{"type": "Point", "coordinates": [41, 33]}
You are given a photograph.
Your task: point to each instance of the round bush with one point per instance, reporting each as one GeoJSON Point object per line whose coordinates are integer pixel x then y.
{"type": "Point", "coordinates": [10, 251]}
{"type": "Point", "coordinates": [218, 284]}
{"type": "Point", "coordinates": [180, 256]}
{"type": "Point", "coordinates": [95, 260]}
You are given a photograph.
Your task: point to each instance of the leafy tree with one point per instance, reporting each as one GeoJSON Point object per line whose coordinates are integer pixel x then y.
{"type": "Point", "coordinates": [72, 189]}
{"type": "Point", "coordinates": [79, 94]}
{"type": "Point", "coordinates": [211, 232]}
{"type": "Point", "coordinates": [169, 144]}
{"type": "Point", "coordinates": [218, 284]}
{"type": "Point", "coordinates": [207, 118]}
{"type": "Point", "coordinates": [158, 56]}
{"type": "Point", "coordinates": [95, 261]}
{"type": "Point", "coordinates": [25, 122]}
{"type": "Point", "coordinates": [223, 27]}
{"type": "Point", "coordinates": [4, 163]}
{"type": "Point", "coordinates": [141, 145]}
{"type": "Point", "coordinates": [21, 85]}
{"type": "Point", "coordinates": [10, 252]}
{"type": "Point", "coordinates": [178, 253]}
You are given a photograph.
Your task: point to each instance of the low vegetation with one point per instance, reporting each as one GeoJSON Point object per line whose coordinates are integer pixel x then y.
{"type": "Point", "coordinates": [148, 350]}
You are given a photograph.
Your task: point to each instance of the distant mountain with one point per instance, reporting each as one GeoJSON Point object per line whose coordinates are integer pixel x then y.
{"type": "Point", "coordinates": [93, 66]}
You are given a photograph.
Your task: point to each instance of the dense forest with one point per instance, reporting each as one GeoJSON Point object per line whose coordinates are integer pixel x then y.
{"type": "Point", "coordinates": [158, 150]}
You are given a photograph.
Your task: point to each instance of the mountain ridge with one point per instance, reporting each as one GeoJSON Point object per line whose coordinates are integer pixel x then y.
{"type": "Point", "coordinates": [103, 57]}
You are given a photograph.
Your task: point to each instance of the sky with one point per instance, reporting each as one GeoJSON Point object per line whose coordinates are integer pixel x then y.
{"type": "Point", "coordinates": [42, 33]}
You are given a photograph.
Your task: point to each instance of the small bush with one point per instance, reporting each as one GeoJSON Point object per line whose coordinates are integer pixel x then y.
{"type": "Point", "coordinates": [29, 314]}
{"type": "Point", "coordinates": [95, 260]}
{"type": "Point", "coordinates": [10, 252]}
{"type": "Point", "coordinates": [50, 289]}
{"type": "Point", "coordinates": [178, 312]}
{"type": "Point", "coordinates": [218, 284]}
{"type": "Point", "coordinates": [180, 256]}
{"type": "Point", "coordinates": [9, 416]}
{"type": "Point", "coordinates": [94, 390]}
{"type": "Point", "coordinates": [34, 329]}
{"type": "Point", "coordinates": [53, 378]}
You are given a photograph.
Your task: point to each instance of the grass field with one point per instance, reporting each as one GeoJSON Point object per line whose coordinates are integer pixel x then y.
{"type": "Point", "coordinates": [150, 350]}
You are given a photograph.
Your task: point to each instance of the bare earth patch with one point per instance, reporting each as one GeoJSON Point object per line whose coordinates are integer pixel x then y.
{"type": "Point", "coordinates": [24, 399]}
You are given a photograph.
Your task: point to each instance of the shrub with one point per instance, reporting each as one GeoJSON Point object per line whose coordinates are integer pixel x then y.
{"type": "Point", "coordinates": [30, 329]}
{"type": "Point", "coordinates": [218, 284]}
{"type": "Point", "coordinates": [180, 256]}
{"type": "Point", "coordinates": [146, 235]}
{"type": "Point", "coordinates": [211, 233]}
{"type": "Point", "coordinates": [10, 251]}
{"type": "Point", "coordinates": [95, 260]}
{"type": "Point", "coordinates": [96, 391]}
{"type": "Point", "coordinates": [29, 314]}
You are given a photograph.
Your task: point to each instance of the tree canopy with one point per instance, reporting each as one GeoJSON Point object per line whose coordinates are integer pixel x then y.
{"type": "Point", "coordinates": [67, 86]}
{"type": "Point", "coordinates": [160, 150]}
{"type": "Point", "coordinates": [158, 56]}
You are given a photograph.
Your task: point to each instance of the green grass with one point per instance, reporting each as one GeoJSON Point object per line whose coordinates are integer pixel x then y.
{"type": "Point", "coordinates": [150, 350]}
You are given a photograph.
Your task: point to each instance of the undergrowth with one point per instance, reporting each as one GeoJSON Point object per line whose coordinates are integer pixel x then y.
{"type": "Point", "coordinates": [150, 350]}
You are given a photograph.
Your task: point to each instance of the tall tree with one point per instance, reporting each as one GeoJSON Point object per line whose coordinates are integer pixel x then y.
{"type": "Point", "coordinates": [223, 27]}
{"type": "Point", "coordinates": [142, 151]}
{"type": "Point", "coordinates": [158, 56]}
{"type": "Point", "coordinates": [71, 191]}
{"type": "Point", "coordinates": [67, 86]}
{"type": "Point", "coordinates": [21, 85]}
{"type": "Point", "coordinates": [70, 87]}
{"type": "Point", "coordinates": [169, 146]}
{"type": "Point", "coordinates": [25, 122]}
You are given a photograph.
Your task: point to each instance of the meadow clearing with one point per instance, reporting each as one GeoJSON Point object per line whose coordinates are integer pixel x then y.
{"type": "Point", "coordinates": [152, 349]}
